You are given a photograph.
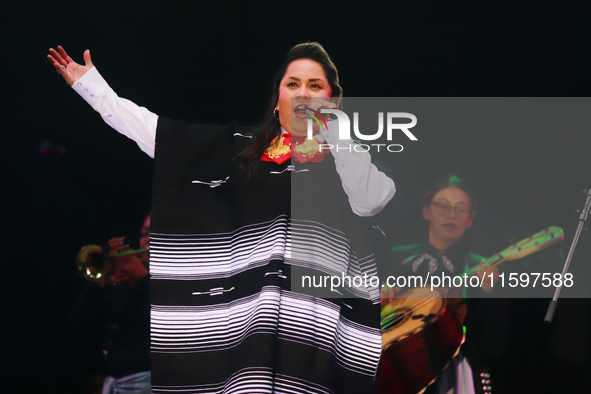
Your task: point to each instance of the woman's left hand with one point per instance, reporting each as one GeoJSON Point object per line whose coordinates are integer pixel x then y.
{"type": "Point", "coordinates": [487, 271]}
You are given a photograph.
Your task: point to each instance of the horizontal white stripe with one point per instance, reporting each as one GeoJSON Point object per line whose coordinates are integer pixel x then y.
{"type": "Point", "coordinates": [250, 381]}
{"type": "Point", "coordinates": [290, 316]}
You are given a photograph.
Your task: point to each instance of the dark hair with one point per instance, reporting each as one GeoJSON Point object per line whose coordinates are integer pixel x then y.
{"type": "Point", "coordinates": [270, 127]}
{"type": "Point", "coordinates": [453, 181]}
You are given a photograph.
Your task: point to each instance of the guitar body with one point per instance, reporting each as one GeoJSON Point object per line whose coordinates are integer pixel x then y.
{"type": "Point", "coordinates": [417, 347]}
{"type": "Point", "coordinates": [422, 332]}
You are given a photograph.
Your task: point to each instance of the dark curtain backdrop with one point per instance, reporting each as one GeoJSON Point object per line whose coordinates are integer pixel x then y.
{"type": "Point", "coordinates": [70, 180]}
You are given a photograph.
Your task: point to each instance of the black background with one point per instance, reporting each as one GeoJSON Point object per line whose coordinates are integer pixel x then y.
{"type": "Point", "coordinates": [214, 62]}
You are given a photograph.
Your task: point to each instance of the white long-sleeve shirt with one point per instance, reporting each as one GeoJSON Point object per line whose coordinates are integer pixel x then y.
{"type": "Point", "coordinates": [368, 189]}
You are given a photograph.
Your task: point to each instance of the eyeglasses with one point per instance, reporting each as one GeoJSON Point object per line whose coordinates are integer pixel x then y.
{"type": "Point", "coordinates": [462, 211]}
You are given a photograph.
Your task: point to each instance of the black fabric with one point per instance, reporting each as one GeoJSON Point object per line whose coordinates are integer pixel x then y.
{"type": "Point", "coordinates": [224, 315]}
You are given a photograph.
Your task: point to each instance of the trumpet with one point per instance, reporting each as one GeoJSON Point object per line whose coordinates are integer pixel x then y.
{"type": "Point", "coordinates": [95, 265]}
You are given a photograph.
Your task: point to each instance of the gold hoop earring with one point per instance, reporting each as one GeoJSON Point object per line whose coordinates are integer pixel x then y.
{"type": "Point", "coordinates": [276, 114]}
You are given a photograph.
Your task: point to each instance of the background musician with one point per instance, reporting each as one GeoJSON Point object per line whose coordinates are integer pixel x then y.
{"type": "Point", "coordinates": [122, 310]}
{"type": "Point", "coordinates": [449, 208]}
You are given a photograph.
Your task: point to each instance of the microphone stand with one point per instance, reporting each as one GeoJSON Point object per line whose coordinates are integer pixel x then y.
{"type": "Point", "coordinates": [582, 219]}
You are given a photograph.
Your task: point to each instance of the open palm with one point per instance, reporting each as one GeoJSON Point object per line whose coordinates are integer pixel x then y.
{"type": "Point", "coordinates": [69, 69]}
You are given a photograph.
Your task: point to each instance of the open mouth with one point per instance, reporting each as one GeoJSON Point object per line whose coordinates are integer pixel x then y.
{"type": "Point", "coordinates": [300, 111]}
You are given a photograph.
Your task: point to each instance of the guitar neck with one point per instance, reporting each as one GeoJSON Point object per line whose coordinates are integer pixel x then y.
{"type": "Point", "coordinates": [525, 247]}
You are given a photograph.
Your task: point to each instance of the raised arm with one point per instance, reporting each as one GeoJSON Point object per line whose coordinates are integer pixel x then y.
{"type": "Point", "coordinates": [66, 67]}
{"type": "Point", "coordinates": [131, 120]}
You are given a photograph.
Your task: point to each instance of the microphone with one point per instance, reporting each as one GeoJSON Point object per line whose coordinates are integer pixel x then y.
{"type": "Point", "coordinates": [327, 116]}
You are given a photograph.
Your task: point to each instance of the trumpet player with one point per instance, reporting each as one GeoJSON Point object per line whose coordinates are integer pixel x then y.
{"type": "Point", "coordinates": [119, 302]}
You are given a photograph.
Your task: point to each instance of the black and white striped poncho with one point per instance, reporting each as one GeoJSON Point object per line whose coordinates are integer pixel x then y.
{"type": "Point", "coordinates": [224, 317]}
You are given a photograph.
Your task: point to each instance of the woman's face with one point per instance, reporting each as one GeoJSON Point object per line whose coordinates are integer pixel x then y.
{"type": "Point", "coordinates": [449, 214]}
{"type": "Point", "coordinates": [305, 81]}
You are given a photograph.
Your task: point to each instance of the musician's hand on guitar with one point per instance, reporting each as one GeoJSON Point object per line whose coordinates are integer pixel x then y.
{"type": "Point", "coordinates": [486, 271]}
{"type": "Point", "coordinates": [388, 293]}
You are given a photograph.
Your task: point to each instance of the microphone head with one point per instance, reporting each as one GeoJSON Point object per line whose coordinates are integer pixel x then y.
{"type": "Point", "coordinates": [326, 116]}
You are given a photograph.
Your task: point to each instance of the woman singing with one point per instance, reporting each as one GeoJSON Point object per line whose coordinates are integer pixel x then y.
{"type": "Point", "coordinates": [235, 213]}
{"type": "Point", "coordinates": [449, 209]}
